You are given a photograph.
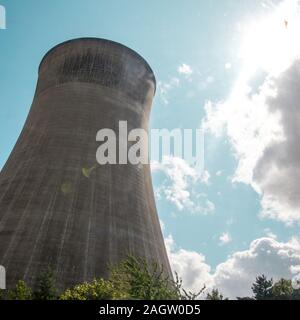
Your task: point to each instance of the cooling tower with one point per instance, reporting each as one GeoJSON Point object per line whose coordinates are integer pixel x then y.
{"type": "Point", "coordinates": [58, 207]}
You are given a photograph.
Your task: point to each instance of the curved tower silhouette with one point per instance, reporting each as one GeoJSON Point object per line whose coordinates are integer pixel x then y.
{"type": "Point", "coordinates": [60, 209]}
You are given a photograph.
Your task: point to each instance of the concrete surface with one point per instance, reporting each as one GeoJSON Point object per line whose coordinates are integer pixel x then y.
{"type": "Point", "coordinates": [57, 207]}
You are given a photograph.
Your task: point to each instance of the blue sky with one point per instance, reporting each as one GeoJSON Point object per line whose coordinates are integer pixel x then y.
{"type": "Point", "coordinates": [194, 49]}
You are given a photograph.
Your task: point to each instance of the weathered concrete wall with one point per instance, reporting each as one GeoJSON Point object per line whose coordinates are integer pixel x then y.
{"type": "Point", "coordinates": [53, 210]}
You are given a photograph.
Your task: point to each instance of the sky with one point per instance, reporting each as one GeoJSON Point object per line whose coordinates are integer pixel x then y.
{"type": "Point", "coordinates": [229, 67]}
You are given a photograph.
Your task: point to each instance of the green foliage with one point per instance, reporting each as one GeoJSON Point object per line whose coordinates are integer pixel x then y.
{"type": "Point", "coordinates": [295, 295]}
{"type": "Point", "coordinates": [46, 289]}
{"type": "Point", "coordinates": [262, 288]}
{"type": "Point", "coordinates": [20, 292]}
{"type": "Point", "coordinates": [215, 295]}
{"type": "Point", "coordinates": [136, 279]}
{"type": "Point", "coordinates": [99, 289]}
{"type": "Point", "coordinates": [282, 290]}
{"type": "Point", "coordinates": [133, 278]}
{"type": "Point", "coordinates": [141, 280]}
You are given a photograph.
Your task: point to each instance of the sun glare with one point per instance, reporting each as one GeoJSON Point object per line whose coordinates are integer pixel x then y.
{"type": "Point", "coordinates": [271, 42]}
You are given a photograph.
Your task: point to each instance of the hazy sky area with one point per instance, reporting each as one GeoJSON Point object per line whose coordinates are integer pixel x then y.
{"type": "Point", "coordinates": [231, 67]}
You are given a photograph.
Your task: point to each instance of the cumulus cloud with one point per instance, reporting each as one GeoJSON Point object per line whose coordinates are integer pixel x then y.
{"type": "Point", "coordinates": [263, 129]}
{"type": "Point", "coordinates": [262, 122]}
{"type": "Point", "coordinates": [185, 69]}
{"type": "Point", "coordinates": [246, 119]}
{"type": "Point", "coordinates": [190, 266]}
{"type": "Point", "coordinates": [235, 276]}
{"type": "Point", "coordinates": [277, 172]}
{"type": "Point", "coordinates": [179, 186]}
{"type": "Point", "coordinates": [265, 256]}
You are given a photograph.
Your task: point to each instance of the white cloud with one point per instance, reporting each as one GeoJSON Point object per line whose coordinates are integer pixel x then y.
{"type": "Point", "coordinates": [219, 173]}
{"type": "Point", "coordinates": [179, 187]}
{"type": "Point", "coordinates": [249, 125]}
{"type": "Point", "coordinates": [225, 238]}
{"type": "Point", "coordinates": [185, 69]}
{"type": "Point", "coordinates": [190, 266]}
{"type": "Point", "coordinates": [265, 256]}
{"type": "Point", "coordinates": [263, 123]}
{"type": "Point", "coordinates": [263, 130]}
{"type": "Point", "coordinates": [235, 276]}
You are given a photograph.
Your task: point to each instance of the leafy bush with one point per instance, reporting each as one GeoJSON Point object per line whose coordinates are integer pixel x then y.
{"type": "Point", "coordinates": [20, 292]}
{"type": "Point", "coordinates": [98, 289]}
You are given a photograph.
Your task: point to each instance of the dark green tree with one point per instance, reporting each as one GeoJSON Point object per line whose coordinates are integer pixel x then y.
{"type": "Point", "coordinates": [262, 288]}
{"type": "Point", "coordinates": [296, 294]}
{"type": "Point", "coordinates": [46, 289]}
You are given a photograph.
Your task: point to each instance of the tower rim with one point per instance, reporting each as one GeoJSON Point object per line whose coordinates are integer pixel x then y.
{"type": "Point", "coordinates": [98, 40]}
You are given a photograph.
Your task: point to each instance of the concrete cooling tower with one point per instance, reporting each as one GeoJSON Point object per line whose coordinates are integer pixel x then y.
{"type": "Point", "coordinates": [58, 207]}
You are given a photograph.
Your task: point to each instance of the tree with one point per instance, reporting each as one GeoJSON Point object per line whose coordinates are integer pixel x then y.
{"type": "Point", "coordinates": [262, 288]}
{"type": "Point", "coordinates": [133, 278]}
{"type": "Point", "coordinates": [215, 295]}
{"type": "Point", "coordinates": [142, 280]}
{"type": "Point", "coordinates": [282, 290]}
{"type": "Point", "coordinates": [20, 292]}
{"type": "Point", "coordinates": [296, 294]}
{"type": "Point", "coordinates": [98, 289]}
{"type": "Point", "coordinates": [46, 289]}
